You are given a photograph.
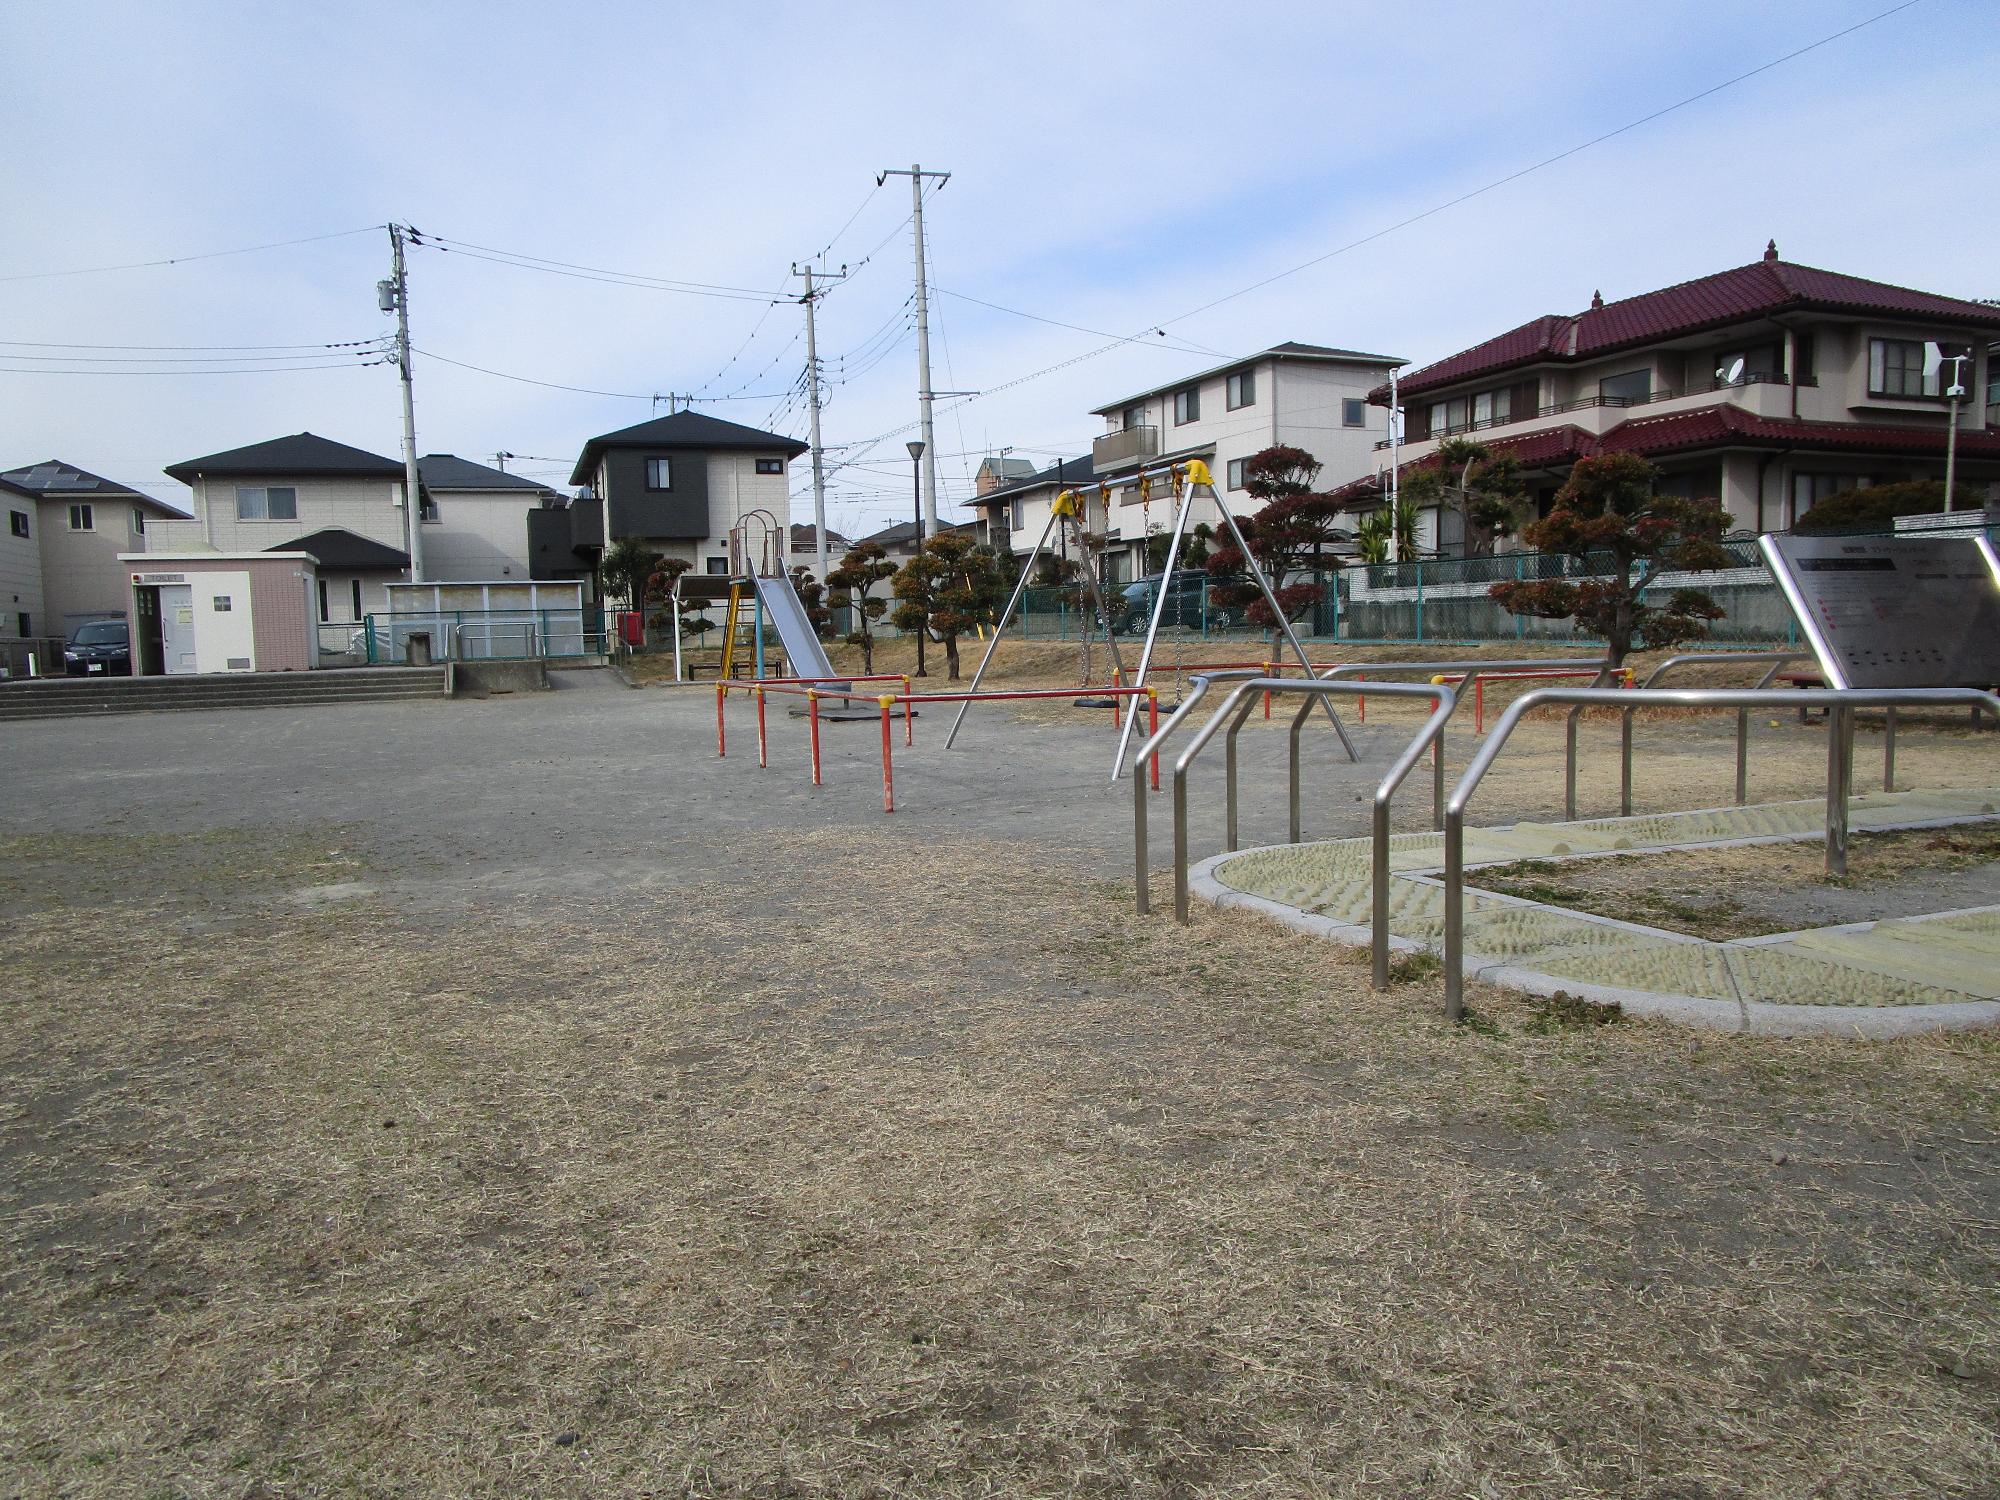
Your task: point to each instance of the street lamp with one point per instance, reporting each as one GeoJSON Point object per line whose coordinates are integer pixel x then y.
{"type": "Point", "coordinates": [1956, 393]}
{"type": "Point", "coordinates": [916, 447]}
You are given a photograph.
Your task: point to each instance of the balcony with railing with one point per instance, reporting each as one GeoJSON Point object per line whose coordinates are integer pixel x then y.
{"type": "Point", "coordinates": [1596, 403]}
{"type": "Point", "coordinates": [1133, 445]}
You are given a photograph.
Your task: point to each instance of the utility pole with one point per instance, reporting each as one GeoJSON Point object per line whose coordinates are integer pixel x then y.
{"type": "Point", "coordinates": [396, 293]}
{"type": "Point", "coordinates": [812, 388]}
{"type": "Point", "coordinates": [1395, 465]}
{"type": "Point", "coordinates": [1955, 393]}
{"type": "Point", "coordinates": [917, 174]}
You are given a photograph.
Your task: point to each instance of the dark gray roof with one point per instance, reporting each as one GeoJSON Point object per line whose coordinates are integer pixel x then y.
{"type": "Point", "coordinates": [684, 429]}
{"type": "Point", "coordinates": [447, 471]}
{"type": "Point", "coordinates": [55, 480]}
{"type": "Point", "coordinates": [903, 533]}
{"type": "Point", "coordinates": [301, 453]}
{"type": "Point", "coordinates": [346, 551]}
{"type": "Point", "coordinates": [1290, 349]}
{"type": "Point", "coordinates": [802, 536]}
{"type": "Point", "coordinates": [1068, 471]}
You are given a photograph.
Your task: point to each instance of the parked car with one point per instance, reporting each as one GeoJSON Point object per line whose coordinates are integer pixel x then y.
{"type": "Point", "coordinates": [99, 647]}
{"type": "Point", "coordinates": [1187, 593]}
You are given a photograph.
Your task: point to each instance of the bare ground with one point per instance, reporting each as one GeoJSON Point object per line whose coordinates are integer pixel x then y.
{"type": "Point", "coordinates": [332, 1170]}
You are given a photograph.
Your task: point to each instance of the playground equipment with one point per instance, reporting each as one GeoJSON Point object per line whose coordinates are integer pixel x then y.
{"type": "Point", "coordinates": [1188, 478]}
{"type": "Point", "coordinates": [1839, 703]}
{"type": "Point", "coordinates": [758, 593]}
{"type": "Point", "coordinates": [1235, 709]}
{"type": "Point", "coordinates": [1063, 514]}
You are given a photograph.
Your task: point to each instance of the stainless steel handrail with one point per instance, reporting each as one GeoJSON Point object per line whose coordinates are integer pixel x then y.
{"type": "Point", "coordinates": [1839, 704]}
{"type": "Point", "coordinates": [1236, 708]}
{"type": "Point", "coordinates": [1468, 673]}
{"type": "Point", "coordinates": [1198, 686]}
{"type": "Point", "coordinates": [1776, 659]}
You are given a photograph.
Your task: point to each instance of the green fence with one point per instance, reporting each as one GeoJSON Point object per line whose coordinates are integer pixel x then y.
{"type": "Point", "coordinates": [1440, 599]}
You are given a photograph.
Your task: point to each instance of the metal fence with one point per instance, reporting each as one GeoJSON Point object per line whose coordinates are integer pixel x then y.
{"type": "Point", "coordinates": [1438, 600]}
{"type": "Point", "coordinates": [462, 635]}
{"type": "Point", "coordinates": [44, 654]}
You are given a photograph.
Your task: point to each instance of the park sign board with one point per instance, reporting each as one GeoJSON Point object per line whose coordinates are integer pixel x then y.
{"type": "Point", "coordinates": [1894, 611]}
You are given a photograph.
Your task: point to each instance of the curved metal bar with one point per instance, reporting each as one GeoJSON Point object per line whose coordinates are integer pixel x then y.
{"type": "Point", "coordinates": [1777, 659]}
{"type": "Point", "coordinates": [1198, 686]}
{"type": "Point", "coordinates": [1840, 700]}
{"type": "Point", "coordinates": [1236, 708]}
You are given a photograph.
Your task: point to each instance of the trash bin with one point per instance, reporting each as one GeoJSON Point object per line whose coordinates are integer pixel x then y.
{"type": "Point", "coordinates": [417, 648]}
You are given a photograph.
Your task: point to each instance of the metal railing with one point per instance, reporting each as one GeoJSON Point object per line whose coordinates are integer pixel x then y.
{"type": "Point", "coordinates": [1586, 403]}
{"type": "Point", "coordinates": [33, 656]}
{"type": "Point", "coordinates": [1235, 709]}
{"type": "Point", "coordinates": [1839, 703]}
{"type": "Point", "coordinates": [1776, 660]}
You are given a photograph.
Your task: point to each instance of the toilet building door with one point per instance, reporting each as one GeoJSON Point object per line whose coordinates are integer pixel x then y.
{"type": "Point", "coordinates": [177, 628]}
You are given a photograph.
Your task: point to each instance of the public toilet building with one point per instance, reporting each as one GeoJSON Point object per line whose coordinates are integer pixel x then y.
{"type": "Point", "coordinates": [222, 612]}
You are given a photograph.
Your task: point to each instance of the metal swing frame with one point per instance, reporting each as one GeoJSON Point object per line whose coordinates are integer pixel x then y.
{"type": "Point", "coordinates": [1063, 512]}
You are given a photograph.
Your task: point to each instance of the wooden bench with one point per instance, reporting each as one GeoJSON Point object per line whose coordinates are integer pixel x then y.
{"type": "Point", "coordinates": [1806, 677]}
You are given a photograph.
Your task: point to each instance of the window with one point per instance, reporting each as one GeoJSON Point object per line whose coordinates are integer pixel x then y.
{"type": "Point", "coordinates": [718, 567]}
{"type": "Point", "coordinates": [1240, 391]}
{"type": "Point", "coordinates": [1736, 366]}
{"type": "Point", "coordinates": [1624, 390]}
{"type": "Point", "coordinates": [1353, 412]}
{"type": "Point", "coordinates": [277, 503]}
{"type": "Point", "coordinates": [221, 603]}
{"type": "Point", "coordinates": [1450, 416]}
{"type": "Point", "coordinates": [1187, 406]}
{"type": "Point", "coordinates": [322, 599]}
{"type": "Point", "coordinates": [1809, 489]}
{"type": "Point", "coordinates": [1013, 515]}
{"type": "Point", "coordinates": [1904, 367]}
{"type": "Point", "coordinates": [427, 506]}
{"type": "Point", "coordinates": [22, 622]}
{"type": "Point", "coordinates": [138, 521]}
{"type": "Point", "coordinates": [80, 518]}
{"type": "Point", "coordinates": [770, 466]}
{"type": "Point", "coordinates": [1490, 408]}
{"type": "Point", "coordinates": [1235, 473]}
{"type": "Point", "coordinates": [17, 522]}
{"type": "Point", "coordinates": [659, 473]}
{"type": "Point", "coordinates": [1131, 417]}
{"type": "Point", "coordinates": [355, 584]}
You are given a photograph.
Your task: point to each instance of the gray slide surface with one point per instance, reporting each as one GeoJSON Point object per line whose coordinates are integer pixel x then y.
{"type": "Point", "coordinates": [795, 633]}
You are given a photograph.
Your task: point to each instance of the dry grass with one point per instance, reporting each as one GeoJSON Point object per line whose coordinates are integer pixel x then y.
{"type": "Point", "coordinates": [751, 1187]}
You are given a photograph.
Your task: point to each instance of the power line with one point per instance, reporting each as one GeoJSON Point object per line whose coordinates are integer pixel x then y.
{"type": "Point", "coordinates": [1180, 346]}
{"type": "Point", "coordinates": [640, 279]}
{"type": "Point", "coordinates": [234, 348]}
{"type": "Point", "coordinates": [276, 360]}
{"type": "Point", "coordinates": [1500, 182]}
{"type": "Point", "coordinates": [581, 390]}
{"type": "Point", "coordinates": [251, 370]}
{"type": "Point", "coordinates": [175, 260]}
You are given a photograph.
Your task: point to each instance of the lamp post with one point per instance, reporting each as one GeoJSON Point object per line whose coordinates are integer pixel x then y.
{"type": "Point", "coordinates": [916, 447]}
{"type": "Point", "coordinates": [1956, 391]}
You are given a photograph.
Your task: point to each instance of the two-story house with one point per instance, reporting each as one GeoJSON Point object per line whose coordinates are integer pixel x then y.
{"type": "Point", "coordinates": [1305, 396]}
{"type": "Point", "coordinates": [476, 520]}
{"type": "Point", "coordinates": [680, 483]}
{"type": "Point", "coordinates": [1013, 514]}
{"type": "Point", "coordinates": [302, 493]}
{"type": "Point", "coordinates": [65, 529]}
{"type": "Point", "coordinates": [1769, 387]}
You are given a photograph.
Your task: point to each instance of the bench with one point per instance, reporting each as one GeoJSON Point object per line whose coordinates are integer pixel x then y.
{"type": "Point", "coordinates": [1806, 677]}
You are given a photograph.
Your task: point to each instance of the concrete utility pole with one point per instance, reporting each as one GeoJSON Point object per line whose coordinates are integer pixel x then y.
{"type": "Point", "coordinates": [1395, 465]}
{"type": "Point", "coordinates": [412, 492]}
{"type": "Point", "coordinates": [812, 389]}
{"type": "Point", "coordinates": [917, 174]}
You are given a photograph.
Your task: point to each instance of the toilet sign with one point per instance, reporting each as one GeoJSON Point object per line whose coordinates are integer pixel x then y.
{"type": "Point", "coordinates": [1894, 611]}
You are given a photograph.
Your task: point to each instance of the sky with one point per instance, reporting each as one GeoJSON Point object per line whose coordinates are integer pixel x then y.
{"type": "Point", "coordinates": [1122, 179]}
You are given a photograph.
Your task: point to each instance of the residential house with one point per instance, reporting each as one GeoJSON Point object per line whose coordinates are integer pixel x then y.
{"type": "Point", "coordinates": [476, 520]}
{"type": "Point", "coordinates": [303, 493]}
{"type": "Point", "coordinates": [1305, 396]}
{"type": "Point", "coordinates": [899, 542]}
{"type": "Point", "coordinates": [679, 484]}
{"type": "Point", "coordinates": [1769, 386]}
{"type": "Point", "coordinates": [1013, 516]}
{"type": "Point", "coordinates": [66, 527]}
{"type": "Point", "coordinates": [805, 548]}
{"type": "Point", "coordinates": [998, 469]}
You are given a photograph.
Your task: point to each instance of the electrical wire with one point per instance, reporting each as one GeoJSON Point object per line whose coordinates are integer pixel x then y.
{"type": "Point", "coordinates": [251, 370]}
{"type": "Point", "coordinates": [176, 260]}
{"type": "Point", "coordinates": [233, 348]}
{"type": "Point", "coordinates": [1180, 346]}
{"type": "Point", "coordinates": [581, 390]}
{"type": "Point", "coordinates": [592, 273]}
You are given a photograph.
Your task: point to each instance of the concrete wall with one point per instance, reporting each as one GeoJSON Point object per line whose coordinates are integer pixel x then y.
{"type": "Point", "coordinates": [21, 573]}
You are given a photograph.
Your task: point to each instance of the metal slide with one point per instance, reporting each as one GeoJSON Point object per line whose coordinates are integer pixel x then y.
{"type": "Point", "coordinates": [795, 633]}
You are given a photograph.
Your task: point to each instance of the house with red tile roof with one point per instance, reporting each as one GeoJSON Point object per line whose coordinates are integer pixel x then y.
{"type": "Point", "coordinates": [1768, 386]}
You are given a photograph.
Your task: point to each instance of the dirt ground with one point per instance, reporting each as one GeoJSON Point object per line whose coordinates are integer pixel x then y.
{"type": "Point", "coordinates": [513, 1098]}
{"type": "Point", "coordinates": [1763, 888]}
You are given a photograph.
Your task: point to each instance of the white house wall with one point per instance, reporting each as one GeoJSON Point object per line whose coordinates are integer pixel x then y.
{"type": "Point", "coordinates": [21, 575]}
{"type": "Point", "coordinates": [82, 578]}
{"type": "Point", "coordinates": [478, 535]}
{"type": "Point", "coordinates": [370, 507]}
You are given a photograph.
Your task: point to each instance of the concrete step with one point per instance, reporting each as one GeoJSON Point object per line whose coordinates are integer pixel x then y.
{"type": "Point", "coordinates": [52, 697]}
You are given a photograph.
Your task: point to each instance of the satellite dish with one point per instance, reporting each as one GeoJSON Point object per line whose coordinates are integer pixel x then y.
{"type": "Point", "coordinates": [1732, 372]}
